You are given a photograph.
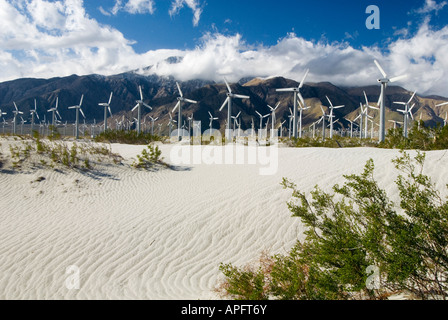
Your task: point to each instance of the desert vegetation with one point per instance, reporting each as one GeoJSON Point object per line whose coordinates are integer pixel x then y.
{"type": "Point", "coordinates": [358, 243]}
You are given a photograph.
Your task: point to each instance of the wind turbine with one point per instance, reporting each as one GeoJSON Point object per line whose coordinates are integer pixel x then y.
{"type": "Point", "coordinates": [323, 122]}
{"type": "Point", "coordinates": [15, 112]}
{"type": "Point", "coordinates": [395, 123]}
{"type": "Point", "coordinates": [261, 119]}
{"type": "Point", "coordinates": [170, 124]}
{"type": "Point", "coordinates": [138, 106]}
{"type": "Point", "coordinates": [331, 116]}
{"type": "Point", "coordinates": [78, 109]}
{"type": "Point", "coordinates": [235, 121]}
{"type": "Point", "coordinates": [22, 122]}
{"type": "Point", "coordinates": [152, 124]}
{"type": "Point", "coordinates": [211, 120]}
{"type": "Point", "coordinates": [273, 115]}
{"type": "Point", "coordinates": [54, 111]}
{"type": "Point", "coordinates": [297, 95]}
{"type": "Point", "coordinates": [406, 112]}
{"type": "Point", "coordinates": [351, 127]}
{"type": "Point", "coordinates": [366, 112]}
{"type": "Point", "coordinates": [180, 99]}
{"type": "Point", "coordinates": [281, 128]}
{"type": "Point", "coordinates": [384, 81]}
{"type": "Point", "coordinates": [228, 101]}
{"type": "Point", "coordinates": [106, 108]}
{"type": "Point", "coordinates": [33, 112]}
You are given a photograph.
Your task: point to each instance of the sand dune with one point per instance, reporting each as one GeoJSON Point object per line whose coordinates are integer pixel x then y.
{"type": "Point", "coordinates": [135, 234]}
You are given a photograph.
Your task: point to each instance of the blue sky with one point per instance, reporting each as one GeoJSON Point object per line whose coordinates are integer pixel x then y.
{"type": "Point", "coordinates": [264, 22]}
{"type": "Point", "coordinates": [45, 38]}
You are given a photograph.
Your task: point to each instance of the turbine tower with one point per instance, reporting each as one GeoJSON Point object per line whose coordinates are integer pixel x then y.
{"type": "Point", "coordinates": [106, 108]}
{"type": "Point", "coordinates": [406, 112]}
{"type": "Point", "coordinates": [138, 106]}
{"type": "Point", "coordinates": [180, 99]}
{"type": "Point", "coordinates": [78, 109]}
{"type": "Point", "coordinates": [228, 101]}
{"type": "Point", "coordinates": [297, 95]}
{"type": "Point", "coordinates": [384, 81]}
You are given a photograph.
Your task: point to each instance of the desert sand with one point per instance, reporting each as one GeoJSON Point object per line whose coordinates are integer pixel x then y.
{"type": "Point", "coordinates": [137, 234]}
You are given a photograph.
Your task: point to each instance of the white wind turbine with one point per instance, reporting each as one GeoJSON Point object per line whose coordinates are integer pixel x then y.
{"type": "Point", "coordinates": [384, 81]}
{"type": "Point", "coordinates": [323, 122]}
{"type": "Point", "coordinates": [211, 120]}
{"type": "Point", "coordinates": [138, 106]}
{"type": "Point", "coordinates": [366, 112]}
{"type": "Point", "coordinates": [235, 120]}
{"type": "Point", "coordinates": [297, 95]}
{"type": "Point", "coordinates": [273, 115]}
{"type": "Point", "coordinates": [171, 122]}
{"type": "Point", "coordinates": [54, 111]}
{"type": "Point", "coordinates": [395, 123]}
{"type": "Point", "coordinates": [228, 101]}
{"type": "Point", "coordinates": [33, 112]}
{"type": "Point", "coordinates": [331, 116]}
{"type": "Point", "coordinates": [106, 107]}
{"type": "Point", "coordinates": [152, 124]}
{"type": "Point", "coordinates": [16, 113]}
{"type": "Point", "coordinates": [180, 99]}
{"type": "Point", "coordinates": [406, 113]}
{"type": "Point", "coordinates": [22, 122]}
{"type": "Point", "coordinates": [261, 119]}
{"type": "Point", "coordinates": [78, 109]}
{"type": "Point", "coordinates": [351, 127]}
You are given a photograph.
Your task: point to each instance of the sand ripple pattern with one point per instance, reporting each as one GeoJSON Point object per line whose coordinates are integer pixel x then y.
{"type": "Point", "coordinates": [158, 235]}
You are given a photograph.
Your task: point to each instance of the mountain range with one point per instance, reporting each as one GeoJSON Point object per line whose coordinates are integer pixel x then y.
{"type": "Point", "coordinates": [161, 94]}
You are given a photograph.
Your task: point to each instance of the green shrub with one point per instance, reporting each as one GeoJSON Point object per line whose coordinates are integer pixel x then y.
{"type": "Point", "coordinates": [353, 230]}
{"type": "Point", "coordinates": [149, 159]}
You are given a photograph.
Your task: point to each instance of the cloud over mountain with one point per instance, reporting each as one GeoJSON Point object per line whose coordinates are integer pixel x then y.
{"type": "Point", "coordinates": [40, 38]}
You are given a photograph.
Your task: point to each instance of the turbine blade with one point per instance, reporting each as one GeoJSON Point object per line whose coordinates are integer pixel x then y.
{"type": "Point", "coordinates": [177, 106]}
{"type": "Point", "coordinates": [178, 88]}
{"type": "Point", "coordinates": [398, 78]}
{"type": "Point", "coordinates": [241, 96]}
{"type": "Point", "coordinates": [80, 103]}
{"type": "Point", "coordinates": [227, 84]}
{"type": "Point", "coordinates": [381, 69]}
{"type": "Point", "coordinates": [82, 113]}
{"type": "Point", "coordinates": [441, 104]}
{"type": "Point", "coordinates": [258, 114]}
{"type": "Point", "coordinates": [286, 90]}
{"type": "Point", "coordinates": [304, 77]}
{"type": "Point", "coordinates": [109, 111]}
{"type": "Point", "coordinates": [110, 99]}
{"type": "Point", "coordinates": [224, 104]}
{"type": "Point", "coordinates": [141, 93]}
{"type": "Point", "coordinates": [190, 101]}
{"type": "Point", "coordinates": [147, 106]}
{"type": "Point", "coordinates": [412, 97]}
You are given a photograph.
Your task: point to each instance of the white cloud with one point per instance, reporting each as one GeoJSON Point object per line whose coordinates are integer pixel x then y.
{"type": "Point", "coordinates": [431, 6]}
{"type": "Point", "coordinates": [132, 7]}
{"type": "Point", "coordinates": [32, 44]}
{"type": "Point", "coordinates": [194, 5]}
